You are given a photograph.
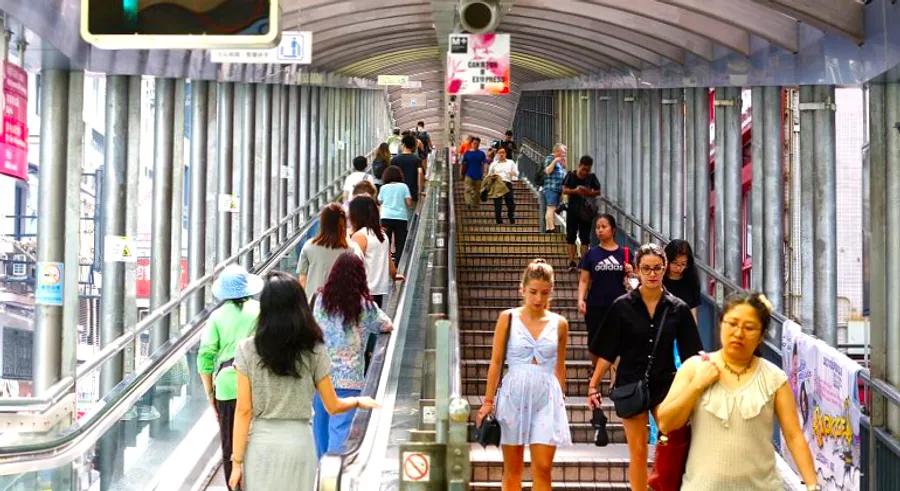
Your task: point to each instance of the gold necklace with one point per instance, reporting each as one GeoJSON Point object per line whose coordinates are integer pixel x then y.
{"type": "Point", "coordinates": [735, 372]}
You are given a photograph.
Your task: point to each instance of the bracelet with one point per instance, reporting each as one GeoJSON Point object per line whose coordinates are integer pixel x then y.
{"type": "Point", "coordinates": [236, 460]}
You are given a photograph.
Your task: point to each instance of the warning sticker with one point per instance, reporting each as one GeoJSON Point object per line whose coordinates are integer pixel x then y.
{"type": "Point", "coordinates": [119, 249]}
{"type": "Point", "coordinates": [49, 283]}
{"type": "Point", "coordinates": [229, 203]}
{"type": "Point", "coordinates": [416, 467]}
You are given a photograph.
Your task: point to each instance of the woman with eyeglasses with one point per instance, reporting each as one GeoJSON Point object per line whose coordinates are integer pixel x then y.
{"type": "Point", "coordinates": [640, 330]}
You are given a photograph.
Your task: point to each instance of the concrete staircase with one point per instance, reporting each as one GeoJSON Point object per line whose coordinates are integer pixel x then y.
{"type": "Point", "coordinates": [490, 261]}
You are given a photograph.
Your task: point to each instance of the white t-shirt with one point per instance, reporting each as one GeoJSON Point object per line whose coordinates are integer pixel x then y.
{"type": "Point", "coordinates": [507, 170]}
{"type": "Point", "coordinates": [355, 178]}
{"type": "Point", "coordinates": [376, 258]}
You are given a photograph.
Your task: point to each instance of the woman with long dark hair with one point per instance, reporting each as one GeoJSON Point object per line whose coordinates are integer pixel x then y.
{"type": "Point", "coordinates": [365, 221]}
{"type": "Point", "coordinates": [681, 277]}
{"type": "Point", "coordinates": [345, 311]}
{"type": "Point", "coordinates": [278, 370]}
{"type": "Point", "coordinates": [640, 330]}
{"type": "Point", "coordinates": [318, 255]}
{"type": "Point", "coordinates": [380, 163]}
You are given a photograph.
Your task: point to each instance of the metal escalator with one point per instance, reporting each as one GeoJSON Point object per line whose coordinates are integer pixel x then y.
{"type": "Point", "coordinates": [490, 259]}
{"type": "Point", "coordinates": [157, 418]}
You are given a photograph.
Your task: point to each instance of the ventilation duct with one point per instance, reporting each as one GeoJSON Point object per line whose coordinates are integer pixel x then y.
{"type": "Point", "coordinates": [478, 16]}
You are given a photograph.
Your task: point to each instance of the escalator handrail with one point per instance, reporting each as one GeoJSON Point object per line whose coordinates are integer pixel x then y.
{"type": "Point", "coordinates": [359, 440]}
{"type": "Point", "coordinates": [452, 293]}
{"type": "Point", "coordinates": [114, 347]}
{"type": "Point", "coordinates": [76, 441]}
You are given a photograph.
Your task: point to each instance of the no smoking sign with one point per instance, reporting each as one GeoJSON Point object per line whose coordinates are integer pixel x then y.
{"type": "Point", "coordinates": [416, 467]}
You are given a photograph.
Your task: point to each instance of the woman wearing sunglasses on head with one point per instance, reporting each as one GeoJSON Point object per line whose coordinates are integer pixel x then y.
{"type": "Point", "coordinates": [640, 329]}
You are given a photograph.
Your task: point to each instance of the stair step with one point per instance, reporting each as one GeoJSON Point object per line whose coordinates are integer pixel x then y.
{"type": "Point", "coordinates": [574, 386]}
{"type": "Point", "coordinates": [556, 486]}
{"type": "Point", "coordinates": [512, 238]}
{"type": "Point", "coordinates": [580, 432]}
{"type": "Point", "coordinates": [486, 337]}
{"type": "Point", "coordinates": [576, 409]}
{"type": "Point", "coordinates": [581, 462]}
{"type": "Point", "coordinates": [560, 263]}
{"type": "Point", "coordinates": [528, 250]}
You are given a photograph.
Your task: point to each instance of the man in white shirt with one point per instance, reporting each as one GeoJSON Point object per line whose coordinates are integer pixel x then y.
{"type": "Point", "coordinates": [507, 171]}
{"type": "Point", "coordinates": [358, 175]}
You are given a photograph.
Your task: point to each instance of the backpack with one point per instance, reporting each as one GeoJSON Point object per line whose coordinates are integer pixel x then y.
{"type": "Point", "coordinates": [540, 175]}
{"type": "Point", "coordinates": [378, 168]}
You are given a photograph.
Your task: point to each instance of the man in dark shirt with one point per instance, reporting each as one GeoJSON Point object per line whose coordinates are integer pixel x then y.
{"type": "Point", "coordinates": [509, 145]}
{"type": "Point", "coordinates": [580, 185]}
{"type": "Point", "coordinates": [473, 171]}
{"type": "Point", "coordinates": [408, 162]}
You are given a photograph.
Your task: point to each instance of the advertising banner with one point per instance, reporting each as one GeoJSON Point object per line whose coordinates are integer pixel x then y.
{"type": "Point", "coordinates": [478, 64]}
{"type": "Point", "coordinates": [823, 381]}
{"type": "Point", "coordinates": [14, 133]}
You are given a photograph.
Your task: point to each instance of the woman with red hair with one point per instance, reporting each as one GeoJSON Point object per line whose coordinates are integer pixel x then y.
{"type": "Point", "coordinates": [347, 314]}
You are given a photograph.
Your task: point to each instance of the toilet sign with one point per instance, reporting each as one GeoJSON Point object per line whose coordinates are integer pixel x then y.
{"type": "Point", "coordinates": [295, 48]}
{"type": "Point", "coordinates": [118, 249]}
{"type": "Point", "coordinates": [416, 467]}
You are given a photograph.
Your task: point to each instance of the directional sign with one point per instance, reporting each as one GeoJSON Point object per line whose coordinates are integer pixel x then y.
{"type": "Point", "coordinates": [393, 79]}
{"type": "Point", "coordinates": [119, 248]}
{"type": "Point", "coordinates": [416, 467]}
{"type": "Point", "coordinates": [49, 283]}
{"type": "Point", "coordinates": [295, 48]}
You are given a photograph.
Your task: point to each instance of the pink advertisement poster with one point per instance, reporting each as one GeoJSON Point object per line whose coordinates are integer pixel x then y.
{"type": "Point", "coordinates": [14, 132]}
{"type": "Point", "coordinates": [478, 64]}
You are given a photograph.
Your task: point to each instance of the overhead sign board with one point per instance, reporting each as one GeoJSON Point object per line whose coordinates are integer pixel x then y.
{"type": "Point", "coordinates": [478, 64]}
{"type": "Point", "coordinates": [412, 84]}
{"type": "Point", "coordinates": [14, 132]}
{"type": "Point", "coordinates": [180, 24]}
{"type": "Point", "coordinates": [295, 48]}
{"type": "Point", "coordinates": [393, 79]}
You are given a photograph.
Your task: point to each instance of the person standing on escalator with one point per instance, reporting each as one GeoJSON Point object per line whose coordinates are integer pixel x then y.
{"type": "Point", "coordinates": [229, 324]}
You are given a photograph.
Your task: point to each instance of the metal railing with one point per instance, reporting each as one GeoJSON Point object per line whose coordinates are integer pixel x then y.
{"type": "Point", "coordinates": [76, 440]}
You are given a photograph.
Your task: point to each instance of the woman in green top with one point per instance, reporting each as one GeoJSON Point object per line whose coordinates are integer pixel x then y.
{"type": "Point", "coordinates": [229, 324]}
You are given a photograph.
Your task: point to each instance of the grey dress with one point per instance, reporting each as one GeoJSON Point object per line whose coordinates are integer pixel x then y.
{"type": "Point", "coordinates": [280, 448]}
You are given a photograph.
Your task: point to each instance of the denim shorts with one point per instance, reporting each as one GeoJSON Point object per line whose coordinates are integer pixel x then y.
{"type": "Point", "coordinates": [551, 197]}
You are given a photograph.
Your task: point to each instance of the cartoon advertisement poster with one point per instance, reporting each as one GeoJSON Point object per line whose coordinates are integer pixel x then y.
{"type": "Point", "coordinates": [823, 381]}
{"type": "Point", "coordinates": [478, 64]}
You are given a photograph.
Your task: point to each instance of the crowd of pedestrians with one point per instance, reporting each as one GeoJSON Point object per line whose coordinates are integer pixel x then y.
{"type": "Point", "coordinates": [292, 365]}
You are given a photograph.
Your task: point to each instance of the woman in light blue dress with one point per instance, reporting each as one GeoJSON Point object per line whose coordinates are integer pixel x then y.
{"type": "Point", "coordinates": [530, 404]}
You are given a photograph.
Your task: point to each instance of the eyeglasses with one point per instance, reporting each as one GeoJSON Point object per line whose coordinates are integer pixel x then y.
{"type": "Point", "coordinates": [745, 328]}
{"type": "Point", "coordinates": [655, 269]}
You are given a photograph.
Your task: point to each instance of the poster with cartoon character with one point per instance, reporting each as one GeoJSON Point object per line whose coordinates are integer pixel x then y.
{"type": "Point", "coordinates": [478, 64]}
{"type": "Point", "coordinates": [823, 381]}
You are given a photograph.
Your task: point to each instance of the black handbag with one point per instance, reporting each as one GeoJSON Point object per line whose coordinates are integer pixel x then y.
{"type": "Point", "coordinates": [634, 398]}
{"type": "Point", "coordinates": [489, 431]}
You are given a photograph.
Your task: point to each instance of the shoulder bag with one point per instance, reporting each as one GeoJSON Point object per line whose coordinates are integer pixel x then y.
{"type": "Point", "coordinates": [634, 398]}
{"type": "Point", "coordinates": [489, 431]}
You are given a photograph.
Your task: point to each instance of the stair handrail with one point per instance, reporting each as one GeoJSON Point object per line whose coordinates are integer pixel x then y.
{"type": "Point", "coordinates": [78, 438]}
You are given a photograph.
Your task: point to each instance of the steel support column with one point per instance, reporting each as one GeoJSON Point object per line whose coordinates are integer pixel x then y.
{"type": "Point", "coordinates": [114, 205]}
{"type": "Point", "coordinates": [772, 239]}
{"type": "Point", "coordinates": [265, 152]}
{"type": "Point", "coordinates": [293, 151]}
{"type": "Point", "coordinates": [74, 159]}
{"type": "Point", "coordinates": [825, 213]}
{"type": "Point", "coordinates": [612, 147]}
{"type": "Point", "coordinates": [655, 189]}
{"type": "Point", "coordinates": [892, 226]}
{"type": "Point", "coordinates": [161, 239]}
{"type": "Point", "coordinates": [690, 177]}
{"type": "Point", "coordinates": [178, 207]}
{"type": "Point", "coordinates": [132, 197]}
{"type": "Point", "coordinates": [247, 161]}
{"type": "Point", "coordinates": [666, 182]}
{"type": "Point", "coordinates": [626, 101]}
{"type": "Point", "coordinates": [283, 171]}
{"type": "Point", "coordinates": [197, 221]}
{"type": "Point", "coordinates": [701, 175]}
{"type": "Point", "coordinates": [807, 214]}
{"type": "Point", "coordinates": [646, 171]}
{"type": "Point", "coordinates": [636, 184]}
{"type": "Point", "coordinates": [602, 170]}
{"type": "Point", "coordinates": [315, 130]}
{"type": "Point", "coordinates": [48, 328]}
{"type": "Point", "coordinates": [721, 98]}
{"type": "Point", "coordinates": [757, 191]}
{"type": "Point", "coordinates": [733, 189]}
{"type": "Point", "coordinates": [676, 222]}
{"type": "Point", "coordinates": [224, 121]}
{"type": "Point", "coordinates": [303, 154]}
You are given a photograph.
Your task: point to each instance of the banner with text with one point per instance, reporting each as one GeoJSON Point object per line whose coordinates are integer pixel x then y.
{"type": "Point", "coordinates": [14, 135]}
{"type": "Point", "coordinates": [824, 383]}
{"type": "Point", "coordinates": [478, 64]}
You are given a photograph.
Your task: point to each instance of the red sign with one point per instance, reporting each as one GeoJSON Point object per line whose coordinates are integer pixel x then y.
{"type": "Point", "coordinates": [14, 133]}
{"type": "Point", "coordinates": [142, 276]}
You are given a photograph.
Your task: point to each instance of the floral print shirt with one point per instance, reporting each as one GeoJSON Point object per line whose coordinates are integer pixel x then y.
{"type": "Point", "coordinates": [347, 344]}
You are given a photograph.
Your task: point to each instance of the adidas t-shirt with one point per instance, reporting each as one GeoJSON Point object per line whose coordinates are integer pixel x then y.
{"type": "Point", "coordinates": [607, 270]}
